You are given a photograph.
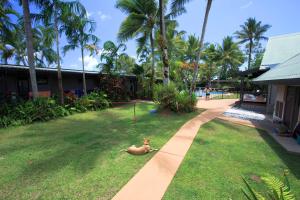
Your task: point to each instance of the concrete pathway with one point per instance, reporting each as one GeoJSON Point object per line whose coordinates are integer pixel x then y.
{"type": "Point", "coordinates": [152, 181]}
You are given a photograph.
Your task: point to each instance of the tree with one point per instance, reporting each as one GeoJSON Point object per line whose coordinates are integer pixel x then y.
{"type": "Point", "coordinates": [163, 42]}
{"type": "Point", "coordinates": [44, 40]}
{"type": "Point", "coordinates": [53, 14]}
{"type": "Point", "coordinates": [230, 58]}
{"type": "Point", "coordinates": [210, 58]}
{"type": "Point", "coordinates": [6, 24]}
{"type": "Point", "coordinates": [178, 8]}
{"type": "Point", "coordinates": [251, 33]}
{"type": "Point", "coordinates": [193, 85]}
{"type": "Point", "coordinates": [79, 35]}
{"type": "Point", "coordinates": [7, 27]}
{"type": "Point", "coordinates": [111, 54]}
{"type": "Point", "coordinates": [29, 44]}
{"type": "Point", "coordinates": [140, 23]}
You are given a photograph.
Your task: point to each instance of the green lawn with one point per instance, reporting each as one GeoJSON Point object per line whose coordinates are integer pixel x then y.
{"type": "Point", "coordinates": [78, 157]}
{"type": "Point", "coordinates": [223, 152]}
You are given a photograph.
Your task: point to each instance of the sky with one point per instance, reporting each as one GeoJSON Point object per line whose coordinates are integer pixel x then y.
{"type": "Point", "coordinates": [225, 18]}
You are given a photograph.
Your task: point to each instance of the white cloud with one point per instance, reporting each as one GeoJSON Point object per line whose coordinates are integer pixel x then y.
{"type": "Point", "coordinates": [103, 16]}
{"type": "Point", "coordinates": [247, 5]}
{"type": "Point", "coordinates": [90, 63]}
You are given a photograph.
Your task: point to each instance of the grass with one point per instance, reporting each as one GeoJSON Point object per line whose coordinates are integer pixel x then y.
{"type": "Point", "coordinates": [221, 154]}
{"type": "Point", "coordinates": [231, 95]}
{"type": "Point", "coordinates": [78, 157]}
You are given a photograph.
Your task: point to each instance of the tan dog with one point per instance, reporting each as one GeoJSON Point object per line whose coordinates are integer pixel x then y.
{"type": "Point", "coordinates": [141, 150]}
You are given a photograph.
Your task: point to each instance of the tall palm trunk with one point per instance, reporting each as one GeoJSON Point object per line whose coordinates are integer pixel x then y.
{"type": "Point", "coordinates": [83, 72]}
{"type": "Point", "coordinates": [29, 45]}
{"type": "Point", "coordinates": [152, 66]}
{"type": "Point", "coordinates": [163, 42]}
{"type": "Point", "coordinates": [196, 70]}
{"type": "Point", "coordinates": [59, 75]}
{"type": "Point", "coordinates": [250, 53]}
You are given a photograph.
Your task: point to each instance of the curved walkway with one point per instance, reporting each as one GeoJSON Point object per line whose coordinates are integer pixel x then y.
{"type": "Point", "coordinates": [152, 181]}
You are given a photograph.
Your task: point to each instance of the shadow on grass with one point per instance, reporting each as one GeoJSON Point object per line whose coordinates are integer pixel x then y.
{"type": "Point", "coordinates": [82, 142]}
{"type": "Point", "coordinates": [292, 161]}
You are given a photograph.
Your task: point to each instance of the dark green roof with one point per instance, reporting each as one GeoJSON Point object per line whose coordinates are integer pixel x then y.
{"type": "Point", "coordinates": [289, 70]}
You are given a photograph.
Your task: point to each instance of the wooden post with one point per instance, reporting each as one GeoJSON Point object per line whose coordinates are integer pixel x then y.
{"type": "Point", "coordinates": [134, 114]}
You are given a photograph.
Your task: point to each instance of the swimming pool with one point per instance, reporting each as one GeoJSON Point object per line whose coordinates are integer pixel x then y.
{"type": "Point", "coordinates": [201, 93]}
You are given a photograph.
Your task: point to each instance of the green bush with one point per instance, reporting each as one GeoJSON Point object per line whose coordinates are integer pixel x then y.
{"type": "Point", "coordinates": [44, 109]}
{"type": "Point", "coordinates": [41, 109]}
{"type": "Point", "coordinates": [164, 95]}
{"type": "Point", "coordinates": [184, 102]}
{"type": "Point", "coordinates": [168, 97]}
{"type": "Point", "coordinates": [93, 101]}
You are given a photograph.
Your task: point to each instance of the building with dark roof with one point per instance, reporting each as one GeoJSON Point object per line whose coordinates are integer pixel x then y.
{"type": "Point", "coordinates": [15, 82]}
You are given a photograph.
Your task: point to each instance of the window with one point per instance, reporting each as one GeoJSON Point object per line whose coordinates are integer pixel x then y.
{"type": "Point", "coordinates": [279, 109]}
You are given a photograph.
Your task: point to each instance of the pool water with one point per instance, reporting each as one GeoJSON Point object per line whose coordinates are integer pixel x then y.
{"type": "Point", "coordinates": [201, 93]}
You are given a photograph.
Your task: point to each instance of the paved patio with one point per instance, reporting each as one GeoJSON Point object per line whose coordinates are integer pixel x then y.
{"type": "Point", "coordinates": [152, 181]}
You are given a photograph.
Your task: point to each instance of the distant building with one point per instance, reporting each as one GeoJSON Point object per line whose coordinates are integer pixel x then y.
{"type": "Point", "coordinates": [282, 57]}
{"type": "Point", "coordinates": [15, 82]}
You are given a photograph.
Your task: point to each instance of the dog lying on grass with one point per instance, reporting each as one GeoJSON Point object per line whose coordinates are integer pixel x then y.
{"type": "Point", "coordinates": [140, 150]}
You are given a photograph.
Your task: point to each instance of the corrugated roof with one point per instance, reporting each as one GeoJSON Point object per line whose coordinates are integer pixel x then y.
{"type": "Point", "coordinates": [281, 48]}
{"type": "Point", "coordinates": [47, 69]}
{"type": "Point", "coordinates": [286, 71]}
{"type": "Point", "coordinates": [64, 70]}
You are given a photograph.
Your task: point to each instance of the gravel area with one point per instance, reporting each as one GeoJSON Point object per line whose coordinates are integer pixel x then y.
{"type": "Point", "coordinates": [244, 114]}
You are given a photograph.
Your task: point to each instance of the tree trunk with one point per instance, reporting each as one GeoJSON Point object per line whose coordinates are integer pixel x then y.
{"type": "Point", "coordinates": [196, 70]}
{"type": "Point", "coordinates": [59, 75]}
{"type": "Point", "coordinates": [152, 66]}
{"type": "Point", "coordinates": [163, 42]}
{"type": "Point", "coordinates": [29, 45]}
{"type": "Point", "coordinates": [83, 73]}
{"type": "Point", "coordinates": [250, 54]}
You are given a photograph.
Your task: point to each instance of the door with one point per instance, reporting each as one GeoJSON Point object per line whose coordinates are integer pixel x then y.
{"type": "Point", "coordinates": [291, 107]}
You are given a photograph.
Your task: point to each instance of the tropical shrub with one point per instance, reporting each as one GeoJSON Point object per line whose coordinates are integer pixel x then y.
{"type": "Point", "coordinates": [277, 189]}
{"type": "Point", "coordinates": [41, 109]}
{"type": "Point", "coordinates": [184, 102]}
{"type": "Point", "coordinates": [168, 97]}
{"type": "Point", "coordinates": [44, 109]}
{"type": "Point", "coordinates": [93, 101]}
{"type": "Point", "coordinates": [164, 95]}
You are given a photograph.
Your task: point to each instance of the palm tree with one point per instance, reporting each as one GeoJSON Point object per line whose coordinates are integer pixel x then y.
{"type": "Point", "coordinates": [30, 50]}
{"type": "Point", "coordinates": [251, 33]}
{"type": "Point", "coordinates": [79, 35]}
{"type": "Point", "coordinates": [163, 42]}
{"type": "Point", "coordinates": [111, 53]}
{"type": "Point", "coordinates": [45, 39]}
{"type": "Point", "coordinates": [6, 28]}
{"type": "Point", "coordinates": [140, 23]}
{"type": "Point", "coordinates": [230, 58]}
{"type": "Point", "coordinates": [52, 14]}
{"type": "Point", "coordinates": [210, 56]}
{"type": "Point", "coordinates": [193, 85]}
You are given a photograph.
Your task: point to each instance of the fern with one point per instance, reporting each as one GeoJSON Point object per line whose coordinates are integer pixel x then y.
{"type": "Point", "coordinates": [253, 194]}
{"type": "Point", "coordinates": [278, 190]}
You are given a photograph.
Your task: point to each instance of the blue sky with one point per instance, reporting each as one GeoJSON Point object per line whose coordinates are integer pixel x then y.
{"type": "Point", "coordinates": [225, 18]}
